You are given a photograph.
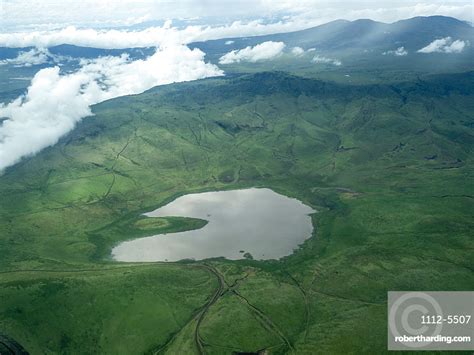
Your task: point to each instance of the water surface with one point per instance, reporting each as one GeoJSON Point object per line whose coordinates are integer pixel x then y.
{"type": "Point", "coordinates": [257, 221]}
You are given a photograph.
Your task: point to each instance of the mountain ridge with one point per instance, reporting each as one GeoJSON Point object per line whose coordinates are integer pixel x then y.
{"type": "Point", "coordinates": [413, 34]}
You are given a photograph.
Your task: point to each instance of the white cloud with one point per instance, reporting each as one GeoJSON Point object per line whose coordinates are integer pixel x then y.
{"type": "Point", "coordinates": [297, 51]}
{"type": "Point", "coordinates": [326, 60]}
{"type": "Point", "coordinates": [263, 51]}
{"type": "Point", "coordinates": [35, 56]}
{"type": "Point", "coordinates": [444, 45]}
{"type": "Point", "coordinates": [399, 52]}
{"type": "Point", "coordinates": [229, 42]}
{"type": "Point", "coordinates": [149, 37]}
{"type": "Point", "coordinates": [54, 102]}
{"type": "Point", "coordinates": [456, 47]}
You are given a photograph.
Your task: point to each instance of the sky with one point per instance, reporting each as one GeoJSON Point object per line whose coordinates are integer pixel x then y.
{"type": "Point", "coordinates": [16, 15]}
{"type": "Point", "coordinates": [56, 100]}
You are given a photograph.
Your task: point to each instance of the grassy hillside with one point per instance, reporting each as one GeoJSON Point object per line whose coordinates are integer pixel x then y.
{"type": "Point", "coordinates": [388, 167]}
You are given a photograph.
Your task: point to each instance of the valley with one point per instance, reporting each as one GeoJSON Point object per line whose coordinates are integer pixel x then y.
{"type": "Point", "coordinates": [387, 167]}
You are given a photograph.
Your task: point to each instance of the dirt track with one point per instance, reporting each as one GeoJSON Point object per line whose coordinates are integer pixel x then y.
{"type": "Point", "coordinates": [13, 347]}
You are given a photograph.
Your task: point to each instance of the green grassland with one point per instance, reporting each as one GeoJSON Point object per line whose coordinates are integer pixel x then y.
{"type": "Point", "coordinates": [388, 167]}
{"type": "Point", "coordinates": [358, 67]}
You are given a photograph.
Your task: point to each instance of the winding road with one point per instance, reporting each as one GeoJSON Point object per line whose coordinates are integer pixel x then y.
{"type": "Point", "coordinates": [217, 293]}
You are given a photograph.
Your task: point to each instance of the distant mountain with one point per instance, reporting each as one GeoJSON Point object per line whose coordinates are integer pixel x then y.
{"type": "Point", "coordinates": [342, 35]}
{"type": "Point", "coordinates": [90, 53]}
{"type": "Point", "coordinates": [73, 51]}
{"type": "Point", "coordinates": [10, 53]}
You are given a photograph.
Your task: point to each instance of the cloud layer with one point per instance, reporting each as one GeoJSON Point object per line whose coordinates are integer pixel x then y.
{"type": "Point", "coordinates": [149, 37]}
{"type": "Point", "coordinates": [260, 52]}
{"type": "Point", "coordinates": [54, 103]}
{"type": "Point", "coordinates": [48, 23]}
{"type": "Point", "coordinates": [23, 14]}
{"type": "Point", "coordinates": [444, 45]}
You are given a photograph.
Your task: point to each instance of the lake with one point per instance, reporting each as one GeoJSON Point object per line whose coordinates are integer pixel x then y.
{"type": "Point", "coordinates": [257, 221]}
